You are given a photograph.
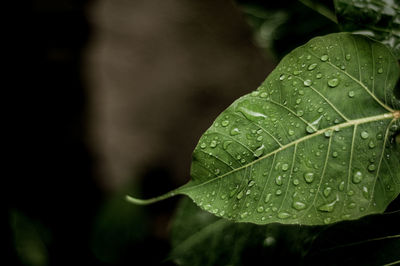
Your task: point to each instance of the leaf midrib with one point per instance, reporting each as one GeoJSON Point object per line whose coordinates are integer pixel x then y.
{"type": "Point", "coordinates": [290, 144]}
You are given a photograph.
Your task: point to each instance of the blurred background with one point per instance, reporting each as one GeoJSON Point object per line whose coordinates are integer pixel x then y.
{"type": "Point", "coordinates": [112, 96]}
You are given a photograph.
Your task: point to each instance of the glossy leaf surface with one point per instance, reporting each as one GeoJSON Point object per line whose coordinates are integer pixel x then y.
{"type": "Point", "coordinates": [315, 144]}
{"type": "Point", "coordinates": [379, 19]}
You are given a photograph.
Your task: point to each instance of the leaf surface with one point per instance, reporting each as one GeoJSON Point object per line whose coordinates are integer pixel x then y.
{"type": "Point", "coordinates": [379, 19]}
{"type": "Point", "coordinates": [314, 144]}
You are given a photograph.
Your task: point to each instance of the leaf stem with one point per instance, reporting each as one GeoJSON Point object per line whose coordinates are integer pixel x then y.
{"type": "Point", "coordinates": [320, 9]}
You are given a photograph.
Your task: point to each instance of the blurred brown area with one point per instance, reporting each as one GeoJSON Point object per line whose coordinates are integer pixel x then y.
{"type": "Point", "coordinates": [108, 94]}
{"type": "Point", "coordinates": [160, 72]}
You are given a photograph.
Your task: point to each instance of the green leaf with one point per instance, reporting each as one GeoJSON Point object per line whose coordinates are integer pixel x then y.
{"type": "Point", "coordinates": [314, 144]}
{"type": "Point", "coordinates": [199, 238]}
{"type": "Point", "coordinates": [379, 19]}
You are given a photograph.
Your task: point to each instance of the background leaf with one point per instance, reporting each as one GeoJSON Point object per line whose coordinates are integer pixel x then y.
{"type": "Point", "coordinates": [199, 238]}
{"type": "Point", "coordinates": [379, 19]}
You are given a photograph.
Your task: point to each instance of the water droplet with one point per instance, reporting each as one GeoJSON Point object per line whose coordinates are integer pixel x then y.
{"type": "Point", "coordinates": [324, 58]}
{"type": "Point", "coordinates": [352, 205]}
{"type": "Point", "coordinates": [309, 177]}
{"type": "Point", "coordinates": [307, 82]}
{"type": "Point", "coordinates": [282, 77]}
{"type": "Point", "coordinates": [203, 145]}
{"type": "Point", "coordinates": [251, 115]}
{"type": "Point", "coordinates": [267, 198]}
{"type": "Point", "coordinates": [213, 144]}
{"type": "Point", "coordinates": [296, 182]}
{"type": "Point", "coordinates": [335, 154]}
{"type": "Point", "coordinates": [318, 76]}
{"type": "Point", "coordinates": [364, 135]}
{"type": "Point", "coordinates": [327, 207]}
{"type": "Point", "coordinates": [278, 192]}
{"type": "Point", "coordinates": [371, 167]}
{"type": "Point", "coordinates": [260, 209]}
{"type": "Point", "coordinates": [263, 95]}
{"type": "Point", "coordinates": [251, 183]}
{"type": "Point", "coordinates": [297, 72]}
{"type": "Point", "coordinates": [278, 180]}
{"type": "Point", "coordinates": [234, 131]}
{"type": "Point", "coordinates": [341, 186]}
{"type": "Point", "coordinates": [243, 215]}
{"type": "Point", "coordinates": [299, 205]}
{"type": "Point", "coordinates": [357, 177]}
{"type": "Point", "coordinates": [328, 133]}
{"type": "Point", "coordinates": [285, 167]}
{"type": "Point", "coordinates": [379, 136]}
{"type": "Point", "coordinates": [333, 82]}
{"type": "Point", "coordinates": [312, 66]}
{"type": "Point", "coordinates": [291, 132]}
{"type": "Point", "coordinates": [225, 123]}
{"type": "Point", "coordinates": [348, 57]}
{"type": "Point", "coordinates": [351, 94]}
{"type": "Point", "coordinates": [380, 70]}
{"type": "Point", "coordinates": [365, 192]}
{"type": "Point", "coordinates": [371, 144]}
{"type": "Point", "coordinates": [327, 220]}
{"type": "Point", "coordinates": [226, 144]}
{"type": "Point", "coordinates": [259, 151]}
{"type": "Point", "coordinates": [240, 195]}
{"type": "Point", "coordinates": [300, 112]}
{"type": "Point", "coordinates": [327, 191]}
{"type": "Point", "coordinates": [283, 215]}
{"type": "Point", "coordinates": [310, 130]}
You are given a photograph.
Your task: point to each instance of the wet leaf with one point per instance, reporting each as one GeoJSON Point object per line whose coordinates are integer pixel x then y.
{"type": "Point", "coordinates": [314, 144]}
{"type": "Point", "coordinates": [379, 19]}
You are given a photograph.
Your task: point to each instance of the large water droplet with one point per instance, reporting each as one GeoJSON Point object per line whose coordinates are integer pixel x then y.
{"type": "Point", "coordinates": [333, 82]}
{"type": "Point", "coordinates": [307, 82]}
{"type": "Point", "coordinates": [327, 207]}
{"type": "Point", "coordinates": [327, 191]}
{"type": "Point", "coordinates": [365, 192]}
{"type": "Point", "coordinates": [267, 198]}
{"type": "Point", "coordinates": [226, 144]}
{"type": "Point", "coordinates": [234, 131]}
{"type": "Point", "coordinates": [299, 205]}
{"type": "Point", "coordinates": [283, 215]}
{"type": "Point", "coordinates": [357, 177]}
{"type": "Point", "coordinates": [309, 177]}
{"type": "Point", "coordinates": [252, 115]}
{"type": "Point", "coordinates": [324, 58]}
{"type": "Point", "coordinates": [278, 180]}
{"type": "Point", "coordinates": [312, 66]}
{"type": "Point", "coordinates": [371, 167]}
{"type": "Point", "coordinates": [371, 144]}
{"type": "Point", "coordinates": [240, 195]}
{"type": "Point", "coordinates": [259, 151]}
{"type": "Point", "coordinates": [364, 135]}
{"type": "Point", "coordinates": [341, 186]}
{"type": "Point", "coordinates": [213, 144]}
{"type": "Point", "coordinates": [225, 123]}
